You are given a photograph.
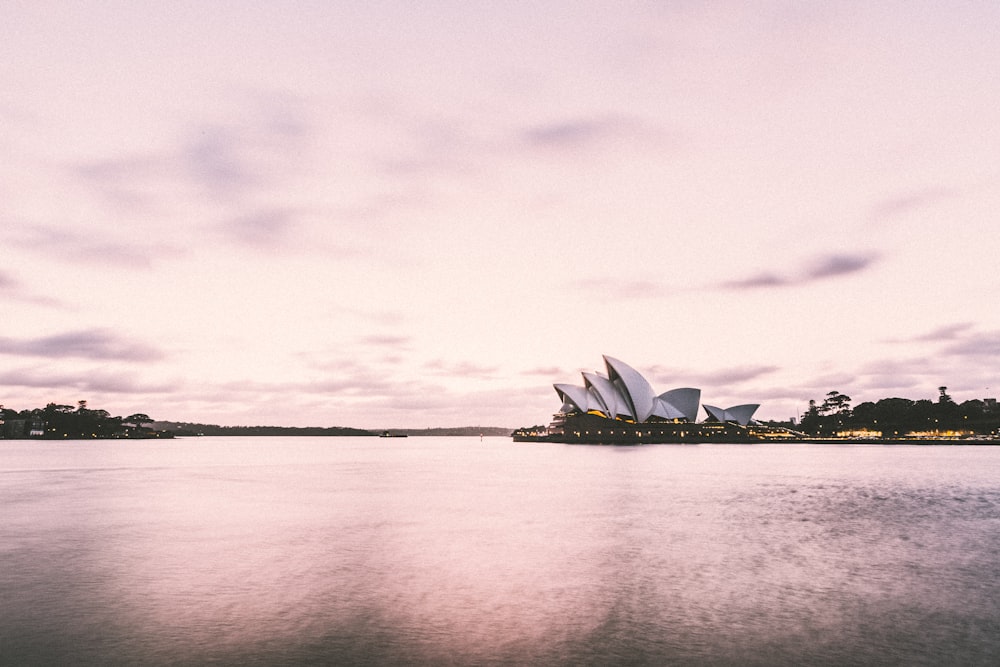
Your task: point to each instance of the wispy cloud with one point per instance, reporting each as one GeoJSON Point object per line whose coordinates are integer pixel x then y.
{"type": "Point", "coordinates": [96, 344]}
{"type": "Point", "coordinates": [85, 380]}
{"type": "Point", "coordinates": [11, 289]}
{"type": "Point", "coordinates": [838, 265]}
{"type": "Point", "coordinates": [462, 369]}
{"type": "Point", "coordinates": [948, 332]}
{"type": "Point", "coordinates": [729, 376]}
{"type": "Point", "coordinates": [588, 132]}
{"type": "Point", "coordinates": [225, 163]}
{"type": "Point", "coordinates": [980, 345]}
{"type": "Point", "coordinates": [127, 183]}
{"type": "Point", "coordinates": [718, 378]}
{"type": "Point", "coordinates": [391, 341]}
{"type": "Point", "coordinates": [546, 371]}
{"type": "Point", "coordinates": [958, 340]}
{"type": "Point", "coordinates": [430, 147]}
{"type": "Point", "coordinates": [570, 132]}
{"type": "Point", "coordinates": [213, 160]}
{"type": "Point", "coordinates": [898, 205]}
{"type": "Point", "coordinates": [91, 247]}
{"type": "Point", "coordinates": [757, 281]}
{"type": "Point", "coordinates": [617, 289]}
{"type": "Point", "coordinates": [820, 268]}
{"type": "Point", "coordinates": [264, 228]}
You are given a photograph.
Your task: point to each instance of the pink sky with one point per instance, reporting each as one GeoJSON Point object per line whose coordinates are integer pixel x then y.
{"type": "Point", "coordinates": [388, 214]}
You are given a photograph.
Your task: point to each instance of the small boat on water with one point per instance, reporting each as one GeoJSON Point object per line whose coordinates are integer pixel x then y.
{"type": "Point", "coordinates": [387, 434]}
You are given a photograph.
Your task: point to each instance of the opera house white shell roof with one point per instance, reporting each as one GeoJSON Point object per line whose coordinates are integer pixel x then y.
{"type": "Point", "coordinates": [625, 394]}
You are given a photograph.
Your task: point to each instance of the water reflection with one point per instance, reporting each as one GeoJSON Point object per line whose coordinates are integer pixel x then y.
{"type": "Point", "coordinates": [426, 551]}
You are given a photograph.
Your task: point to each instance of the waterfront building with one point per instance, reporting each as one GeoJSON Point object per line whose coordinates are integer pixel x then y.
{"type": "Point", "coordinates": [620, 406]}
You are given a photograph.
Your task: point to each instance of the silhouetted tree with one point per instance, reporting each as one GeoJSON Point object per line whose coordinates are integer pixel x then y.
{"type": "Point", "coordinates": [810, 421]}
{"type": "Point", "coordinates": [864, 416]}
{"type": "Point", "coordinates": [138, 420]}
{"type": "Point", "coordinates": [893, 415]}
{"type": "Point", "coordinates": [836, 403]}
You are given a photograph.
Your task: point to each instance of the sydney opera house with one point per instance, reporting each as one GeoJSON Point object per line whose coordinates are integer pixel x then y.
{"type": "Point", "coordinates": [620, 406]}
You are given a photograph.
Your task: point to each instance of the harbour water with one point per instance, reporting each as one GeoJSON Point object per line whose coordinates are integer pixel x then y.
{"type": "Point", "coordinates": [437, 551]}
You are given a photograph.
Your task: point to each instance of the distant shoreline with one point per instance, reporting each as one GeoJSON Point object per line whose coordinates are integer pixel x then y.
{"type": "Point", "coordinates": [944, 441]}
{"type": "Point", "coordinates": [188, 429]}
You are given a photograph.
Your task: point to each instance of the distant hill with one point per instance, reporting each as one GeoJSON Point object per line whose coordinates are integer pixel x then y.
{"type": "Point", "coordinates": [192, 429]}
{"type": "Point", "coordinates": [460, 430]}
{"type": "Point", "coordinates": [189, 429]}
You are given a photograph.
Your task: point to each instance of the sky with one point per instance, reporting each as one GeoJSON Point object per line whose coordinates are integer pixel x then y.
{"type": "Point", "coordinates": [385, 214]}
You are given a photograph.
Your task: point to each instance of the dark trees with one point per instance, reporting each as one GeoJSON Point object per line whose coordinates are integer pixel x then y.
{"type": "Point", "coordinates": [899, 416]}
{"type": "Point", "coordinates": [138, 419]}
{"type": "Point", "coordinates": [65, 422]}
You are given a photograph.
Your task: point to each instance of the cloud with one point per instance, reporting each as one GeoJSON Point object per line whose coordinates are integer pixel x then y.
{"type": "Point", "coordinates": [569, 133]}
{"type": "Point", "coordinates": [431, 146]}
{"type": "Point", "coordinates": [820, 268]}
{"type": "Point", "coordinates": [984, 344]}
{"type": "Point", "coordinates": [90, 380]}
{"type": "Point", "coordinates": [616, 289]}
{"type": "Point", "coordinates": [346, 383]}
{"type": "Point", "coordinates": [128, 183]}
{"type": "Point", "coordinates": [97, 248]}
{"type": "Point", "coordinates": [718, 379]}
{"type": "Point", "coordinates": [282, 114]}
{"type": "Point", "coordinates": [893, 207]}
{"type": "Point", "coordinates": [221, 161]}
{"type": "Point", "coordinates": [94, 344]}
{"type": "Point", "coordinates": [944, 333]}
{"type": "Point", "coordinates": [547, 371]}
{"type": "Point", "coordinates": [736, 375]}
{"type": "Point", "coordinates": [895, 367]}
{"type": "Point", "coordinates": [258, 147]}
{"type": "Point", "coordinates": [351, 387]}
{"type": "Point", "coordinates": [838, 265]}
{"type": "Point", "coordinates": [959, 340]}
{"type": "Point", "coordinates": [460, 368]}
{"type": "Point", "coordinates": [580, 133]}
{"type": "Point", "coordinates": [756, 281]}
{"type": "Point", "coordinates": [11, 289]}
{"type": "Point", "coordinates": [385, 340]}
{"type": "Point", "coordinates": [266, 228]}
{"type": "Point", "coordinates": [949, 332]}
{"type": "Point", "coordinates": [212, 158]}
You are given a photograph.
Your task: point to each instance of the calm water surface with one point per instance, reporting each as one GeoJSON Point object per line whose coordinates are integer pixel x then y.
{"type": "Point", "coordinates": [460, 551]}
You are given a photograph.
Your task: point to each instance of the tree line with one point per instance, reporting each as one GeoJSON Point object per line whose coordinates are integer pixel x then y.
{"type": "Point", "coordinates": [193, 429]}
{"type": "Point", "coordinates": [894, 417]}
{"type": "Point", "coordinates": [57, 421]}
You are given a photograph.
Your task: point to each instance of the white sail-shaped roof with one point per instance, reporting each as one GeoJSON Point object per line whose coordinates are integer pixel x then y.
{"type": "Point", "coordinates": [685, 399]}
{"type": "Point", "coordinates": [633, 386]}
{"type": "Point", "coordinates": [715, 413]}
{"type": "Point", "coordinates": [665, 410]}
{"type": "Point", "coordinates": [573, 396]}
{"type": "Point", "coordinates": [625, 394]}
{"type": "Point", "coordinates": [612, 399]}
{"type": "Point", "coordinates": [741, 414]}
